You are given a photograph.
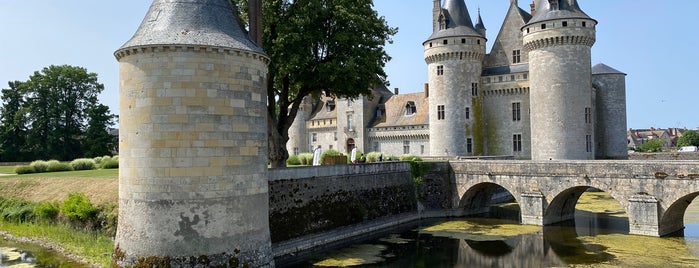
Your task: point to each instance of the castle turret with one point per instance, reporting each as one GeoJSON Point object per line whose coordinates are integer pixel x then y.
{"type": "Point", "coordinates": [454, 54]}
{"type": "Point", "coordinates": [193, 187]}
{"type": "Point", "coordinates": [610, 111]}
{"type": "Point", "coordinates": [559, 38]}
{"type": "Point", "coordinates": [480, 26]}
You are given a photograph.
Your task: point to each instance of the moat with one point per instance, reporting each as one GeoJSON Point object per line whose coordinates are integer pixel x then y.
{"type": "Point", "coordinates": [598, 239]}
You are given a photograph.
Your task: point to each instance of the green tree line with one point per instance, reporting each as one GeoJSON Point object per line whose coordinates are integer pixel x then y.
{"type": "Point", "coordinates": [55, 115]}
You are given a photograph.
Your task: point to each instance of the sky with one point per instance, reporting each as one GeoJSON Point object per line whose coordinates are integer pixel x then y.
{"type": "Point", "coordinates": [654, 42]}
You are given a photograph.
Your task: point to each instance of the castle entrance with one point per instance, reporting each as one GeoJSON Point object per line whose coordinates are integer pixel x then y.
{"type": "Point", "coordinates": [350, 145]}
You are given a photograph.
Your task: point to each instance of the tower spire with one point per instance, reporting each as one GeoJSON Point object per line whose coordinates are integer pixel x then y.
{"type": "Point", "coordinates": [480, 27]}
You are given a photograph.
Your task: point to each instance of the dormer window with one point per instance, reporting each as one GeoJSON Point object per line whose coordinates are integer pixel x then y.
{"type": "Point", "coordinates": [443, 22]}
{"type": "Point", "coordinates": [330, 106]}
{"type": "Point", "coordinates": [410, 108]}
{"type": "Point", "coordinates": [554, 4]}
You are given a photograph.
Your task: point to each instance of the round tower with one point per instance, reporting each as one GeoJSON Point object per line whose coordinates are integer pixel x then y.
{"type": "Point", "coordinates": [610, 103]}
{"type": "Point", "coordinates": [454, 55]}
{"type": "Point", "coordinates": [298, 133]}
{"type": "Point", "coordinates": [559, 38]}
{"type": "Point", "coordinates": [193, 186]}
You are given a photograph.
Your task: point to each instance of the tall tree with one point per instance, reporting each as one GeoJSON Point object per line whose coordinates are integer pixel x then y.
{"type": "Point", "coordinates": [13, 124]}
{"type": "Point", "coordinates": [330, 47]}
{"type": "Point", "coordinates": [688, 138]}
{"type": "Point", "coordinates": [58, 99]}
{"type": "Point", "coordinates": [98, 141]}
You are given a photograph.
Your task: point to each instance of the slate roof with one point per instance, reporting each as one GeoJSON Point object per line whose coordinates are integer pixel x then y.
{"type": "Point", "coordinates": [396, 115]}
{"type": "Point", "coordinates": [192, 22]}
{"type": "Point", "coordinates": [459, 19]}
{"type": "Point", "coordinates": [567, 9]}
{"type": "Point", "coordinates": [517, 68]}
{"type": "Point", "coordinates": [602, 68]}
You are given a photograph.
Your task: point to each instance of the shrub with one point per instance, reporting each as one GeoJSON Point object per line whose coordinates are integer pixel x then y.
{"type": "Point", "coordinates": [83, 164]}
{"type": "Point", "coordinates": [373, 157]}
{"type": "Point", "coordinates": [24, 170]}
{"type": "Point", "coordinates": [98, 160]}
{"type": "Point", "coordinates": [652, 145]}
{"type": "Point", "coordinates": [107, 219]}
{"type": "Point", "coordinates": [110, 164]}
{"type": "Point", "coordinates": [47, 211]}
{"type": "Point", "coordinates": [56, 166]}
{"type": "Point", "coordinates": [306, 159]}
{"type": "Point", "coordinates": [78, 209]}
{"type": "Point", "coordinates": [293, 160]}
{"type": "Point", "coordinates": [330, 153]}
{"type": "Point", "coordinates": [40, 166]}
{"type": "Point", "coordinates": [410, 158]}
{"type": "Point", "coordinates": [18, 211]}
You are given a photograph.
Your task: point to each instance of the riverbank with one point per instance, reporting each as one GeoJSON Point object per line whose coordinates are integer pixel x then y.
{"type": "Point", "coordinates": [100, 186]}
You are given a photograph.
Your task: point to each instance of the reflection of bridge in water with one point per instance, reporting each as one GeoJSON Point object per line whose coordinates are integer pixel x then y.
{"type": "Point", "coordinates": [655, 194]}
{"type": "Point", "coordinates": [528, 250]}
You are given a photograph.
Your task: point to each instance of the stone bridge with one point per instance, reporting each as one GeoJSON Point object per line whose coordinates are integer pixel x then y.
{"type": "Point", "coordinates": [655, 194]}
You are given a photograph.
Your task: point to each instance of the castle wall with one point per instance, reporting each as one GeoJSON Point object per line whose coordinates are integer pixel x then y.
{"type": "Point", "coordinates": [610, 131]}
{"type": "Point", "coordinates": [500, 123]}
{"type": "Point", "coordinates": [193, 156]}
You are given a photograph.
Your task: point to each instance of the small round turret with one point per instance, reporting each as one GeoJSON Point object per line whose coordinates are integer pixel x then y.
{"type": "Point", "coordinates": [559, 38]}
{"type": "Point", "coordinates": [454, 55]}
{"type": "Point", "coordinates": [610, 127]}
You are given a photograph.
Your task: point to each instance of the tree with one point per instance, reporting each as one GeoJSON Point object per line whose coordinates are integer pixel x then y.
{"type": "Point", "coordinates": [98, 141]}
{"type": "Point", "coordinates": [13, 124]}
{"type": "Point", "coordinates": [318, 47]}
{"type": "Point", "coordinates": [688, 138]}
{"type": "Point", "coordinates": [48, 116]}
{"type": "Point", "coordinates": [652, 145]}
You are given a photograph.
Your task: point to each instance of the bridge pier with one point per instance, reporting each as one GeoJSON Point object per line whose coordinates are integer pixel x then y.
{"type": "Point", "coordinates": [532, 206]}
{"type": "Point", "coordinates": [644, 215]}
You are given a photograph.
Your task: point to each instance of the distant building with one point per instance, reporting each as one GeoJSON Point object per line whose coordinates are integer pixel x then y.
{"type": "Point", "coordinates": [534, 96]}
{"type": "Point", "coordinates": [670, 136]}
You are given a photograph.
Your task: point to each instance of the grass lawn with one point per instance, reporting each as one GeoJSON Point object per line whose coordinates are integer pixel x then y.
{"type": "Point", "coordinates": [101, 186]}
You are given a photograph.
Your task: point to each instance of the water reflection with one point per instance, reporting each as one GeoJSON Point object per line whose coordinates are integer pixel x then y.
{"type": "Point", "coordinates": [592, 240]}
{"type": "Point", "coordinates": [17, 254]}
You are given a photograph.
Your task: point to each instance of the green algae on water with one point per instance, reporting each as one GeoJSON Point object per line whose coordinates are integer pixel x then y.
{"type": "Point", "coordinates": [353, 256]}
{"type": "Point", "coordinates": [600, 202]}
{"type": "Point", "coordinates": [643, 251]}
{"type": "Point", "coordinates": [480, 229]}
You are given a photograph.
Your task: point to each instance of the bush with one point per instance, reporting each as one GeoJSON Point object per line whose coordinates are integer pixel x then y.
{"type": "Point", "coordinates": [328, 152]}
{"type": "Point", "coordinates": [373, 157]}
{"type": "Point", "coordinates": [110, 164]}
{"type": "Point", "coordinates": [293, 160]}
{"type": "Point", "coordinates": [24, 170]}
{"type": "Point", "coordinates": [56, 166]}
{"type": "Point", "coordinates": [83, 164]}
{"type": "Point", "coordinates": [107, 219]}
{"type": "Point", "coordinates": [306, 159]}
{"type": "Point", "coordinates": [40, 166]}
{"type": "Point", "coordinates": [13, 210]}
{"type": "Point", "coordinates": [78, 209]}
{"type": "Point", "coordinates": [411, 158]}
{"type": "Point", "coordinates": [98, 160]}
{"type": "Point", "coordinates": [653, 145]}
{"type": "Point", "coordinates": [47, 211]}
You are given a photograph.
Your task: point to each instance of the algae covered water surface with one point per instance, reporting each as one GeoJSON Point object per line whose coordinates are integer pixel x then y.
{"type": "Point", "coordinates": [598, 238]}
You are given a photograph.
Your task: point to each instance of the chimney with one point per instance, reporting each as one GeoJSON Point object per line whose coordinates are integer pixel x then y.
{"type": "Point", "coordinates": [395, 91]}
{"type": "Point", "coordinates": [533, 7]}
{"type": "Point", "coordinates": [255, 20]}
{"type": "Point", "coordinates": [427, 90]}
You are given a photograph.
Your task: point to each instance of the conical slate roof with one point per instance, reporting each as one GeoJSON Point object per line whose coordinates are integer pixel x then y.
{"type": "Point", "coordinates": [458, 21]}
{"type": "Point", "coordinates": [602, 68]}
{"type": "Point", "coordinates": [192, 22]}
{"type": "Point", "coordinates": [567, 9]}
{"type": "Point", "coordinates": [479, 22]}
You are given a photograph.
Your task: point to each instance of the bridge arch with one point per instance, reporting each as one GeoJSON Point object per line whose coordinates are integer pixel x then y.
{"type": "Point", "coordinates": [673, 218]}
{"type": "Point", "coordinates": [478, 198]}
{"type": "Point", "coordinates": [562, 206]}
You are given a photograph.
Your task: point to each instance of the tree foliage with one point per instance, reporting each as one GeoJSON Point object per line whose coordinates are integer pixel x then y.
{"type": "Point", "coordinates": [688, 138]}
{"type": "Point", "coordinates": [52, 115]}
{"type": "Point", "coordinates": [652, 145]}
{"type": "Point", "coordinates": [329, 47]}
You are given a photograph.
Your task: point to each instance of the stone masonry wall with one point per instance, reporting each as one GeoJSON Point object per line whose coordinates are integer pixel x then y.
{"type": "Point", "coordinates": [305, 201]}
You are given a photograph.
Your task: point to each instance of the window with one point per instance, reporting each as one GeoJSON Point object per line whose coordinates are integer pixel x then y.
{"type": "Point", "coordinates": [463, 40]}
{"type": "Point", "coordinates": [440, 112]}
{"type": "Point", "coordinates": [330, 147]}
{"type": "Point", "coordinates": [445, 41]}
{"type": "Point", "coordinates": [430, 44]}
{"type": "Point", "coordinates": [543, 26]}
{"type": "Point", "coordinates": [516, 111]}
{"type": "Point", "coordinates": [410, 108]}
{"type": "Point", "coordinates": [499, 78]}
{"type": "Point", "coordinates": [512, 77]}
{"type": "Point", "coordinates": [565, 24]}
{"type": "Point", "coordinates": [469, 145]}
{"type": "Point", "coordinates": [422, 149]}
{"type": "Point", "coordinates": [517, 142]}
{"type": "Point", "coordinates": [314, 137]}
{"type": "Point", "coordinates": [440, 70]}
{"type": "Point", "coordinates": [516, 56]}
{"type": "Point", "coordinates": [525, 76]}
{"type": "Point", "coordinates": [296, 151]}
{"type": "Point", "coordinates": [588, 115]}
{"type": "Point", "coordinates": [329, 106]}
{"type": "Point", "coordinates": [584, 24]}
{"type": "Point", "coordinates": [474, 89]}
{"type": "Point", "coordinates": [468, 113]}
{"type": "Point", "coordinates": [406, 147]}
{"type": "Point", "coordinates": [349, 122]}
{"type": "Point", "coordinates": [478, 41]}
{"type": "Point", "coordinates": [335, 135]}
{"type": "Point", "coordinates": [349, 103]}
{"type": "Point", "coordinates": [588, 143]}
{"type": "Point", "coordinates": [527, 30]}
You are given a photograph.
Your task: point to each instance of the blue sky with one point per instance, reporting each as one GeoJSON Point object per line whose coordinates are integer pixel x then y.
{"type": "Point", "coordinates": [654, 42]}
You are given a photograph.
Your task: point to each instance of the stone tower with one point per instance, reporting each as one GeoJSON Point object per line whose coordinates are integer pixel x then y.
{"type": "Point", "coordinates": [559, 38]}
{"type": "Point", "coordinates": [454, 55]}
{"type": "Point", "coordinates": [610, 109]}
{"type": "Point", "coordinates": [193, 188]}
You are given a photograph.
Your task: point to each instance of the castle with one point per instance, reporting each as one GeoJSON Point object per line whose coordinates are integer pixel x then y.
{"type": "Point", "coordinates": [535, 96]}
